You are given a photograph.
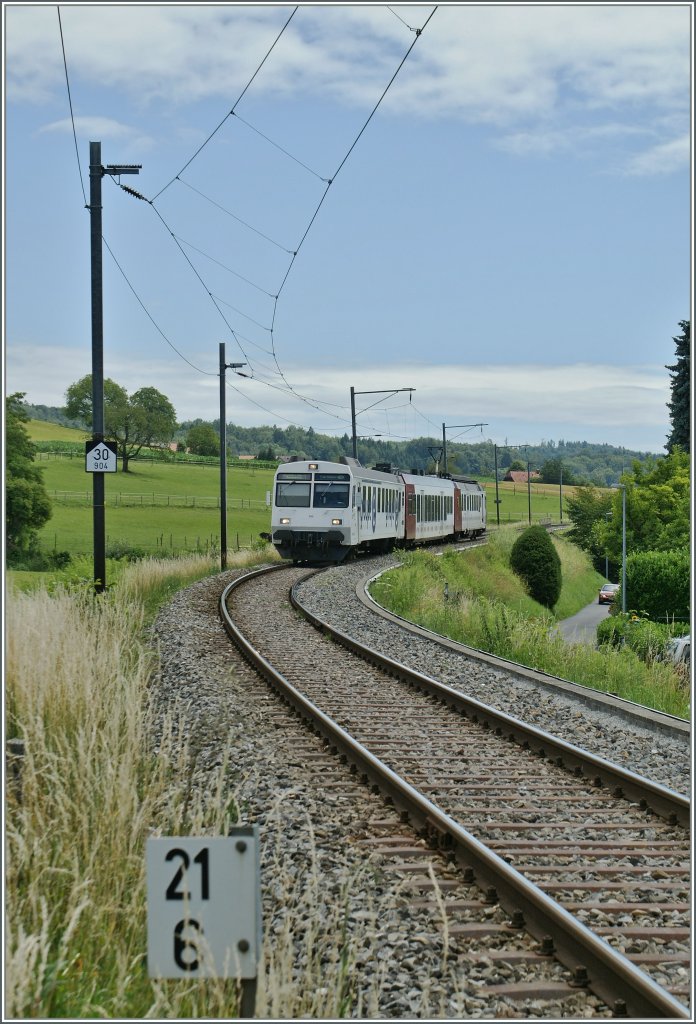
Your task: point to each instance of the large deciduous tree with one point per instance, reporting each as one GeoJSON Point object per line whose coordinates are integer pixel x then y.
{"type": "Point", "coordinates": [144, 419]}
{"type": "Point", "coordinates": [680, 405]}
{"type": "Point", "coordinates": [27, 505]}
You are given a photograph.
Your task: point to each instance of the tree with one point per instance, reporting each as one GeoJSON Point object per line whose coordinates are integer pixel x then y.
{"type": "Point", "coordinates": [658, 500]}
{"type": "Point", "coordinates": [551, 472]}
{"type": "Point", "coordinates": [587, 510]}
{"type": "Point", "coordinates": [680, 405]}
{"type": "Point", "coordinates": [145, 419]}
{"type": "Point", "coordinates": [518, 466]}
{"type": "Point", "coordinates": [535, 560]}
{"type": "Point", "coordinates": [203, 440]}
{"type": "Point", "coordinates": [27, 505]}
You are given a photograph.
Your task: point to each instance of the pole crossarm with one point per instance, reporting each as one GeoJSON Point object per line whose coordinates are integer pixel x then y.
{"type": "Point", "coordinates": [456, 426]}
{"type": "Point", "coordinates": [353, 414]}
{"type": "Point", "coordinates": [394, 391]}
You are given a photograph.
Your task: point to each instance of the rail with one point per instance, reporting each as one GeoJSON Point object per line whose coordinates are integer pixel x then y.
{"type": "Point", "coordinates": [613, 977]}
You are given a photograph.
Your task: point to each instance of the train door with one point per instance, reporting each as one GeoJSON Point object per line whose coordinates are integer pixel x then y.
{"type": "Point", "coordinates": [457, 510]}
{"type": "Point", "coordinates": [410, 511]}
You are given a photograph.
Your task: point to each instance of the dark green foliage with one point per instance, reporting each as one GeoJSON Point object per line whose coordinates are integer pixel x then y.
{"type": "Point", "coordinates": [659, 583]}
{"type": "Point", "coordinates": [555, 472]}
{"type": "Point", "coordinates": [144, 419]}
{"type": "Point", "coordinates": [203, 440]}
{"type": "Point", "coordinates": [123, 550]}
{"type": "Point", "coordinates": [647, 639]}
{"type": "Point", "coordinates": [27, 505]}
{"type": "Point", "coordinates": [680, 405]}
{"type": "Point", "coordinates": [535, 560]}
{"type": "Point", "coordinates": [585, 508]}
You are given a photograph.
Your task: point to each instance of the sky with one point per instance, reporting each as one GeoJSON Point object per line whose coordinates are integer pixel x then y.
{"type": "Point", "coordinates": [486, 204]}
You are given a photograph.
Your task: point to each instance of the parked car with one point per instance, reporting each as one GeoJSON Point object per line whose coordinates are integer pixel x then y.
{"type": "Point", "coordinates": [607, 593]}
{"type": "Point", "coordinates": [678, 651]}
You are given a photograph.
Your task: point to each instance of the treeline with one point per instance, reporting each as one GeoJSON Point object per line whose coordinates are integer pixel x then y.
{"type": "Point", "coordinates": [581, 461]}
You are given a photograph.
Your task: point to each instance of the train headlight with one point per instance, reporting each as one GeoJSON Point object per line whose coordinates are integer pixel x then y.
{"type": "Point", "coordinates": [284, 521]}
{"type": "Point", "coordinates": [337, 522]}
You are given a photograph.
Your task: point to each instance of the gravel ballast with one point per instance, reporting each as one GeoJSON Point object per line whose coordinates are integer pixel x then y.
{"type": "Point", "coordinates": [317, 833]}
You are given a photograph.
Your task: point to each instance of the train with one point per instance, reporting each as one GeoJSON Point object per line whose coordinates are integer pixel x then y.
{"type": "Point", "coordinates": [325, 512]}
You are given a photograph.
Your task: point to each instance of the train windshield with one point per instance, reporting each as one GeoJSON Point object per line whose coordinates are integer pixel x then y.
{"type": "Point", "coordinates": [292, 490]}
{"type": "Point", "coordinates": [331, 493]}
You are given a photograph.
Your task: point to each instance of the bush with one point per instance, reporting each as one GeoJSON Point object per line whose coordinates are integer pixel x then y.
{"type": "Point", "coordinates": [535, 560]}
{"type": "Point", "coordinates": [39, 561]}
{"type": "Point", "coordinates": [659, 583]}
{"type": "Point", "coordinates": [647, 639]}
{"type": "Point", "coordinates": [123, 549]}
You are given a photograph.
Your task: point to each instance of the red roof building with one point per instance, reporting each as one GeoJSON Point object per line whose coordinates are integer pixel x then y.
{"type": "Point", "coordinates": [519, 476]}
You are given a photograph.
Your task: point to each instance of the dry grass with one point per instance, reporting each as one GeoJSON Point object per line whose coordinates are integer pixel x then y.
{"type": "Point", "coordinates": [98, 775]}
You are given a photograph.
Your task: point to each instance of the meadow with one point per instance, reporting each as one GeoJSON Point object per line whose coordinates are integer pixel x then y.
{"type": "Point", "coordinates": [158, 507]}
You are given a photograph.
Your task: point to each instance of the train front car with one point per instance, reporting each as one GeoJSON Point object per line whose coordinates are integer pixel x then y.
{"type": "Point", "coordinates": [324, 511]}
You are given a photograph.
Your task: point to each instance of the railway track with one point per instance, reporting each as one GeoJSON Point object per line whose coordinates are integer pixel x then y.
{"type": "Point", "coordinates": [589, 859]}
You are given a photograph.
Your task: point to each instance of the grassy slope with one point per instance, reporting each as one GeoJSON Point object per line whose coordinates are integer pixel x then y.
{"type": "Point", "coordinates": [42, 430]}
{"type": "Point", "coordinates": [489, 609]}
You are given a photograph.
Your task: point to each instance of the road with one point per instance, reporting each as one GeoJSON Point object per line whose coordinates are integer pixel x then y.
{"type": "Point", "coordinates": [581, 628]}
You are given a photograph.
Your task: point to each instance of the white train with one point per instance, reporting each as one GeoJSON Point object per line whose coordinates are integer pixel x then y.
{"type": "Point", "coordinates": [324, 511]}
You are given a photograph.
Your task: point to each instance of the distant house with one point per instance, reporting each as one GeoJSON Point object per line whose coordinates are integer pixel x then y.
{"type": "Point", "coordinates": [246, 458]}
{"type": "Point", "coordinates": [519, 476]}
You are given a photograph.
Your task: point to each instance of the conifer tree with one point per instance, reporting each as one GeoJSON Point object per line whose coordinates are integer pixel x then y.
{"type": "Point", "coordinates": [680, 405]}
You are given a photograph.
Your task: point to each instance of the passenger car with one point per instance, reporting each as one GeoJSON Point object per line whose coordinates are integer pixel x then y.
{"type": "Point", "coordinates": [607, 593]}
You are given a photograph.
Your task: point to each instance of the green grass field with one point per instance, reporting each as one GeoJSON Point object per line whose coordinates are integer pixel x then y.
{"type": "Point", "coordinates": [152, 506]}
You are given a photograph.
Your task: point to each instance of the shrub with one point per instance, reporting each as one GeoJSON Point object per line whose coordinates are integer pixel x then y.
{"type": "Point", "coordinates": [123, 549]}
{"type": "Point", "coordinates": [659, 583]}
{"type": "Point", "coordinates": [646, 638]}
{"type": "Point", "coordinates": [535, 560]}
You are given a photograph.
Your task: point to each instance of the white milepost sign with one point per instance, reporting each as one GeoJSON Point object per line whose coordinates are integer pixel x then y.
{"type": "Point", "coordinates": [204, 906]}
{"type": "Point", "coordinates": [100, 456]}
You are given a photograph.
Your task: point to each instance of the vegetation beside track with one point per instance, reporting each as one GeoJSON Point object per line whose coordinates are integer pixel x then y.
{"type": "Point", "coordinates": [98, 772]}
{"type": "Point", "coordinates": [486, 607]}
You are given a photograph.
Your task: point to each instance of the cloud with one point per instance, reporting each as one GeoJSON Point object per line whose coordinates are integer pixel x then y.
{"type": "Point", "coordinates": [99, 128]}
{"type": "Point", "coordinates": [662, 159]}
{"type": "Point", "coordinates": [593, 402]}
{"type": "Point", "coordinates": [494, 63]}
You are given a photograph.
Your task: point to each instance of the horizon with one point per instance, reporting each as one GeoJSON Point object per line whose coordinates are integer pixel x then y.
{"type": "Point", "coordinates": [551, 444]}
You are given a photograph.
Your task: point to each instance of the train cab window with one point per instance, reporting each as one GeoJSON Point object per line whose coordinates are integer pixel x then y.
{"type": "Point", "coordinates": [292, 490]}
{"type": "Point", "coordinates": [331, 490]}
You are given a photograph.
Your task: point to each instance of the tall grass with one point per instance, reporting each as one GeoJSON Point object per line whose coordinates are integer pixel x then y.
{"type": "Point", "coordinates": [486, 607]}
{"type": "Point", "coordinates": [100, 771]}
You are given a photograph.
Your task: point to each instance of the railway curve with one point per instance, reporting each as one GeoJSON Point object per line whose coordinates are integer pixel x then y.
{"type": "Point", "coordinates": [622, 845]}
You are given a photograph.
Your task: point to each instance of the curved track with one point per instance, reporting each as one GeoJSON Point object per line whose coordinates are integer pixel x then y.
{"type": "Point", "coordinates": [590, 859]}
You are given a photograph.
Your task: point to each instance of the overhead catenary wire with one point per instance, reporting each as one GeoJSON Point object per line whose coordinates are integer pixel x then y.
{"type": "Point", "coordinates": [230, 112]}
{"type": "Point", "coordinates": [329, 182]}
{"type": "Point", "coordinates": [72, 115]}
{"type": "Point", "coordinates": [180, 242]}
